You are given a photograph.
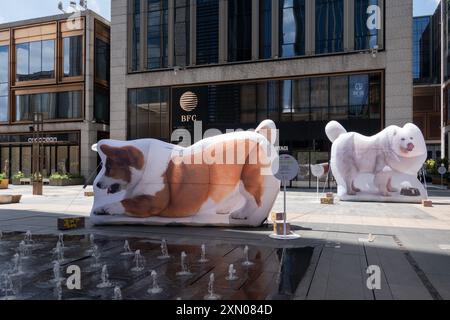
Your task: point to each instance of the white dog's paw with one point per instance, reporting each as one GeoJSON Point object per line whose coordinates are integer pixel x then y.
{"type": "Point", "coordinates": [111, 209]}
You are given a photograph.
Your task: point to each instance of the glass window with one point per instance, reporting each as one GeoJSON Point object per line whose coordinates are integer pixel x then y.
{"type": "Point", "coordinates": [364, 37]}
{"type": "Point", "coordinates": [261, 100]}
{"type": "Point", "coordinates": [157, 34]}
{"type": "Point", "coordinates": [74, 166]}
{"type": "Point", "coordinates": [61, 105]}
{"type": "Point", "coordinates": [292, 28]}
{"type": "Point", "coordinates": [265, 29]}
{"type": "Point", "coordinates": [248, 103]}
{"type": "Point", "coordinates": [319, 99]}
{"type": "Point", "coordinates": [73, 56]}
{"type": "Point", "coordinates": [22, 60]}
{"type": "Point", "coordinates": [4, 87]}
{"type": "Point", "coordinates": [148, 113]}
{"type": "Point", "coordinates": [207, 31]}
{"type": "Point", "coordinates": [239, 30]}
{"type": "Point", "coordinates": [375, 99]}
{"type": "Point", "coordinates": [300, 100]}
{"type": "Point", "coordinates": [273, 100]}
{"type": "Point", "coordinates": [329, 26]}
{"type": "Point", "coordinates": [286, 100]}
{"type": "Point", "coordinates": [182, 31]}
{"type": "Point", "coordinates": [48, 59]}
{"type": "Point", "coordinates": [338, 98]}
{"type": "Point", "coordinates": [359, 96]}
{"type": "Point", "coordinates": [101, 105]}
{"type": "Point", "coordinates": [136, 36]}
{"type": "Point", "coordinates": [69, 105]}
{"type": "Point", "coordinates": [102, 60]}
{"type": "Point", "coordinates": [35, 60]}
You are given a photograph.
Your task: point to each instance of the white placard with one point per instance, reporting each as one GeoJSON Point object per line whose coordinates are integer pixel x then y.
{"type": "Point", "coordinates": [288, 168]}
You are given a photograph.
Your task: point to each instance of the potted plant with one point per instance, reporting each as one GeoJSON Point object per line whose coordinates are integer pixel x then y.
{"type": "Point", "coordinates": [4, 182]}
{"type": "Point", "coordinates": [16, 178]}
{"type": "Point", "coordinates": [60, 180]}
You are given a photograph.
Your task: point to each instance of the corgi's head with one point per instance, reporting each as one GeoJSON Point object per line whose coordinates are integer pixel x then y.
{"type": "Point", "coordinates": [120, 164]}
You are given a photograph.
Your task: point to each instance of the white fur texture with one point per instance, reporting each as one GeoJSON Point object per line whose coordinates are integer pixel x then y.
{"type": "Point", "coordinates": [384, 157]}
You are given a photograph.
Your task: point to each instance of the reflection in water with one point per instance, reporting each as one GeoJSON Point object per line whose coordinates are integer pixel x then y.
{"type": "Point", "coordinates": [293, 265]}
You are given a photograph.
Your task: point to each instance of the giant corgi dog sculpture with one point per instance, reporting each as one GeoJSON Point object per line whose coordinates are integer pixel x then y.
{"type": "Point", "coordinates": [226, 179]}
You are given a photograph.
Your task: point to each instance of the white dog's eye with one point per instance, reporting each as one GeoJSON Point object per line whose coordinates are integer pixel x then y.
{"type": "Point", "coordinates": [412, 138]}
{"type": "Point", "coordinates": [403, 139]}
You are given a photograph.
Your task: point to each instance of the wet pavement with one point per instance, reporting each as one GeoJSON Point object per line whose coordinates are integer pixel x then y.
{"type": "Point", "coordinates": [274, 273]}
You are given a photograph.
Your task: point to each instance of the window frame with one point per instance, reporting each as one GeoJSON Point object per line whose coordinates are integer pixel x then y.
{"type": "Point", "coordinates": [19, 83]}
{"type": "Point", "coordinates": [54, 89]}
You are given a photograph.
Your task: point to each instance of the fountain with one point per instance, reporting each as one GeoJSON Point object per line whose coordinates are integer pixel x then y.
{"type": "Point", "coordinates": [105, 279]}
{"type": "Point", "coordinates": [58, 291]}
{"type": "Point", "coordinates": [247, 262]}
{"type": "Point", "coordinates": [231, 273]}
{"type": "Point", "coordinates": [127, 249]}
{"type": "Point", "coordinates": [164, 250]}
{"type": "Point", "coordinates": [17, 268]}
{"type": "Point", "coordinates": [155, 289]}
{"type": "Point", "coordinates": [24, 250]}
{"type": "Point", "coordinates": [117, 294]}
{"type": "Point", "coordinates": [184, 266]}
{"type": "Point", "coordinates": [59, 252]}
{"type": "Point", "coordinates": [139, 262]}
{"type": "Point", "coordinates": [211, 295]}
{"type": "Point", "coordinates": [7, 287]}
{"type": "Point", "coordinates": [61, 240]}
{"type": "Point", "coordinates": [203, 258]}
{"type": "Point", "coordinates": [91, 244]}
{"type": "Point", "coordinates": [96, 255]}
{"type": "Point", "coordinates": [28, 238]}
{"type": "Point", "coordinates": [57, 272]}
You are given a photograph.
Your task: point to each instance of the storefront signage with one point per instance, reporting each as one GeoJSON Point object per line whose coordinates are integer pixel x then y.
{"type": "Point", "coordinates": [43, 140]}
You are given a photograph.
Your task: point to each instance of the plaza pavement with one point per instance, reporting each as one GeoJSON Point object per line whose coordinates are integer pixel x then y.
{"type": "Point", "coordinates": [411, 243]}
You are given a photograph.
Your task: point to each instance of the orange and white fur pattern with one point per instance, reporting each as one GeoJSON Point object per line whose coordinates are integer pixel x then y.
{"type": "Point", "coordinates": [229, 174]}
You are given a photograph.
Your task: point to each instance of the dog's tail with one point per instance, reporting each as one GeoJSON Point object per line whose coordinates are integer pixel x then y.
{"type": "Point", "coordinates": [268, 129]}
{"type": "Point", "coordinates": [334, 130]}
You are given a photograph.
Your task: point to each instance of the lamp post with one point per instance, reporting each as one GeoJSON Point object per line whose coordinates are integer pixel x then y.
{"type": "Point", "coordinates": [443, 43]}
{"type": "Point", "coordinates": [38, 153]}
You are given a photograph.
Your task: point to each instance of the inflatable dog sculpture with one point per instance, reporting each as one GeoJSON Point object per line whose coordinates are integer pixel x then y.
{"type": "Point", "coordinates": [223, 180]}
{"type": "Point", "coordinates": [383, 167]}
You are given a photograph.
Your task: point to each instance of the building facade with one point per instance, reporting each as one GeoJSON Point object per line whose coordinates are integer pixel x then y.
{"type": "Point", "coordinates": [230, 64]}
{"type": "Point", "coordinates": [58, 66]}
{"type": "Point", "coordinates": [427, 79]}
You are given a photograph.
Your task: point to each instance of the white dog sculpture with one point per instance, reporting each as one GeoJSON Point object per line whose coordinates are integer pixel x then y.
{"type": "Point", "coordinates": [383, 167]}
{"type": "Point", "coordinates": [223, 180]}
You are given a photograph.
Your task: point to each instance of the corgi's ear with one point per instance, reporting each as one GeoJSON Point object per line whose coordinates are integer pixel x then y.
{"type": "Point", "coordinates": [135, 157]}
{"type": "Point", "coordinates": [108, 150]}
